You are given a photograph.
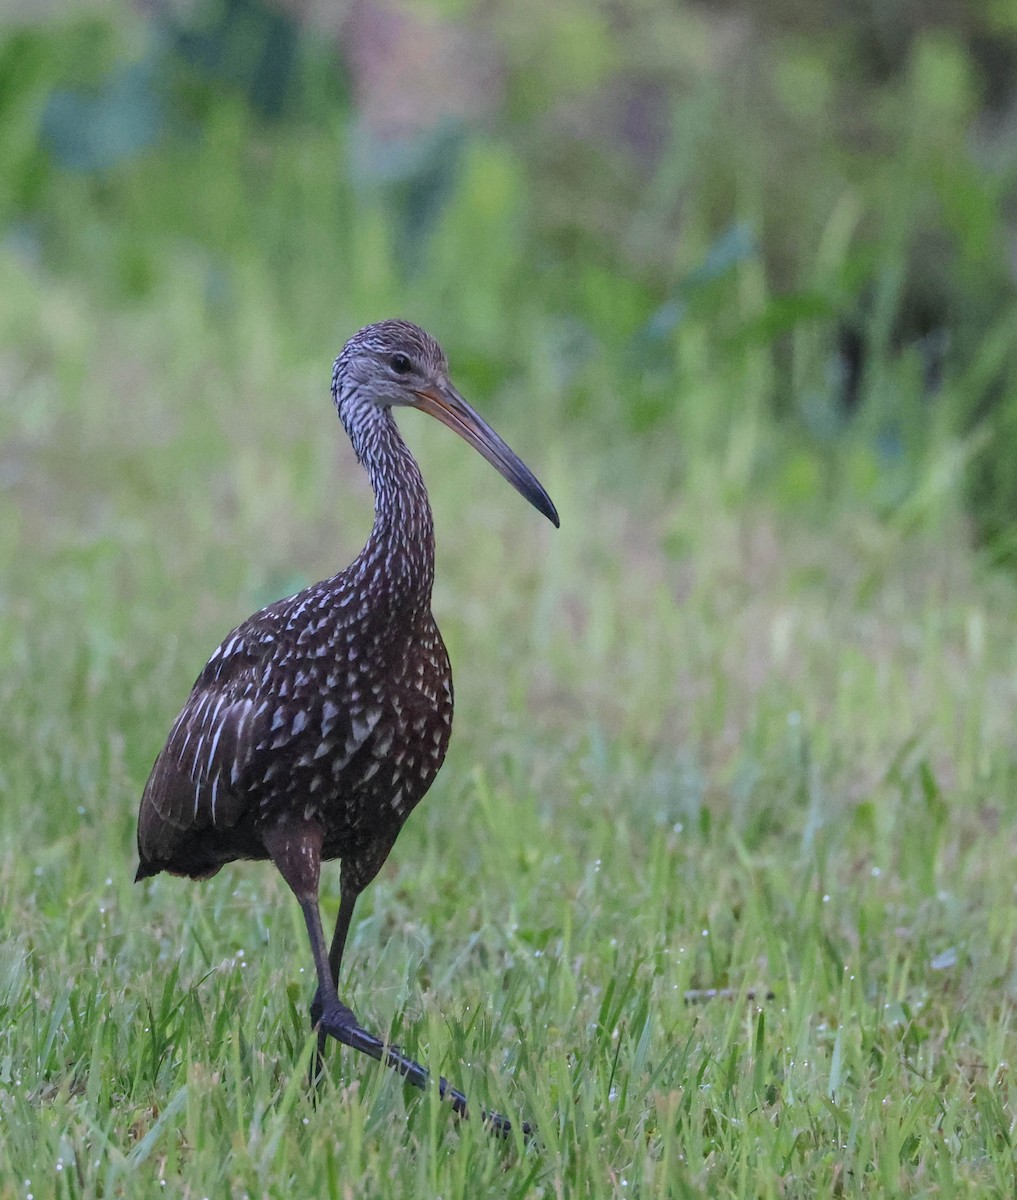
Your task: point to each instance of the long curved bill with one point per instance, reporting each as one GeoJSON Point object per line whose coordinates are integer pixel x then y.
{"type": "Point", "coordinates": [452, 410]}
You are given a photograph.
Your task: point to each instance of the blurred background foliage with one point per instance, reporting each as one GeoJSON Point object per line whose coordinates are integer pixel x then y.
{"type": "Point", "coordinates": [773, 239]}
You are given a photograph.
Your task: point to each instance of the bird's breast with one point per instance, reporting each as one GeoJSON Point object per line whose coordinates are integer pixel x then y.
{"type": "Point", "coordinates": [358, 739]}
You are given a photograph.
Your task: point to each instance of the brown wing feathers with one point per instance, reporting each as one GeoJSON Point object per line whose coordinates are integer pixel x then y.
{"type": "Point", "coordinates": [267, 714]}
{"type": "Point", "coordinates": [194, 781]}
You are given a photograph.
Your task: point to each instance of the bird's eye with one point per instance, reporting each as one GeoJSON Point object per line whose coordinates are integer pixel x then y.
{"type": "Point", "coordinates": [400, 364]}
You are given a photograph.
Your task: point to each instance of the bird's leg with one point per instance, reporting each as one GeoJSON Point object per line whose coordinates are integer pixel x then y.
{"type": "Point", "coordinates": [347, 900]}
{"type": "Point", "coordinates": [296, 851]}
{"type": "Point", "coordinates": [338, 1021]}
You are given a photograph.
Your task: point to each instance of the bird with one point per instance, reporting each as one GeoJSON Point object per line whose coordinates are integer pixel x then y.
{"type": "Point", "coordinates": [319, 723]}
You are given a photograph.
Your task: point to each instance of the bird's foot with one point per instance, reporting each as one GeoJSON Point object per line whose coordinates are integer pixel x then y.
{"type": "Point", "coordinates": [339, 1022]}
{"type": "Point", "coordinates": [317, 1008]}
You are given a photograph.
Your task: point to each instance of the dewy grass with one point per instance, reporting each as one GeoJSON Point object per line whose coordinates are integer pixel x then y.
{"type": "Point", "coordinates": [731, 751]}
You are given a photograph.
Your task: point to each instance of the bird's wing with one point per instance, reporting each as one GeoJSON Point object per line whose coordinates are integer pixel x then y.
{"type": "Point", "coordinates": [192, 784]}
{"type": "Point", "coordinates": [244, 711]}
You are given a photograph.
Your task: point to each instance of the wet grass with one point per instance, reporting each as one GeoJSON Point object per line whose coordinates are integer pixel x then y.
{"type": "Point", "coordinates": [702, 741]}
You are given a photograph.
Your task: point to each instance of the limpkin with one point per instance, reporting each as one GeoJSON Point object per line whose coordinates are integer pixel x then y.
{"type": "Point", "coordinates": [320, 722]}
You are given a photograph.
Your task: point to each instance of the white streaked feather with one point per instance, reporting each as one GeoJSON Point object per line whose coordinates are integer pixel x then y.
{"type": "Point", "coordinates": [362, 726]}
{"type": "Point", "coordinates": [329, 712]}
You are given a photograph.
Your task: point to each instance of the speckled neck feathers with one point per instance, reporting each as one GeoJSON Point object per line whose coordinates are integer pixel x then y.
{"type": "Point", "coordinates": [399, 555]}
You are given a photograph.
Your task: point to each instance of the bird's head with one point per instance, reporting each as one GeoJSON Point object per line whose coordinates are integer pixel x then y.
{"type": "Point", "coordinates": [395, 363]}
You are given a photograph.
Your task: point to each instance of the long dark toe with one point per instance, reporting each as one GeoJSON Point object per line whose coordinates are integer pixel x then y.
{"type": "Point", "coordinates": [339, 1022]}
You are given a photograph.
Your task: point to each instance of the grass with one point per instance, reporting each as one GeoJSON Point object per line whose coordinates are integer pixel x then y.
{"type": "Point", "coordinates": [700, 744]}
{"type": "Point", "coordinates": [744, 723]}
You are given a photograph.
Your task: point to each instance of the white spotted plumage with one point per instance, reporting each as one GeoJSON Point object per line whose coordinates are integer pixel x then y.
{"type": "Point", "coordinates": [320, 722]}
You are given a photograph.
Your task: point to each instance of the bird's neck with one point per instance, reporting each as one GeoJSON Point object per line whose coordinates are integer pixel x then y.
{"type": "Point", "coordinates": [398, 559]}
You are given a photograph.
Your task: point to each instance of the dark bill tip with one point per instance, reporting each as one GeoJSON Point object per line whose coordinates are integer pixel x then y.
{"type": "Point", "coordinates": [543, 503]}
